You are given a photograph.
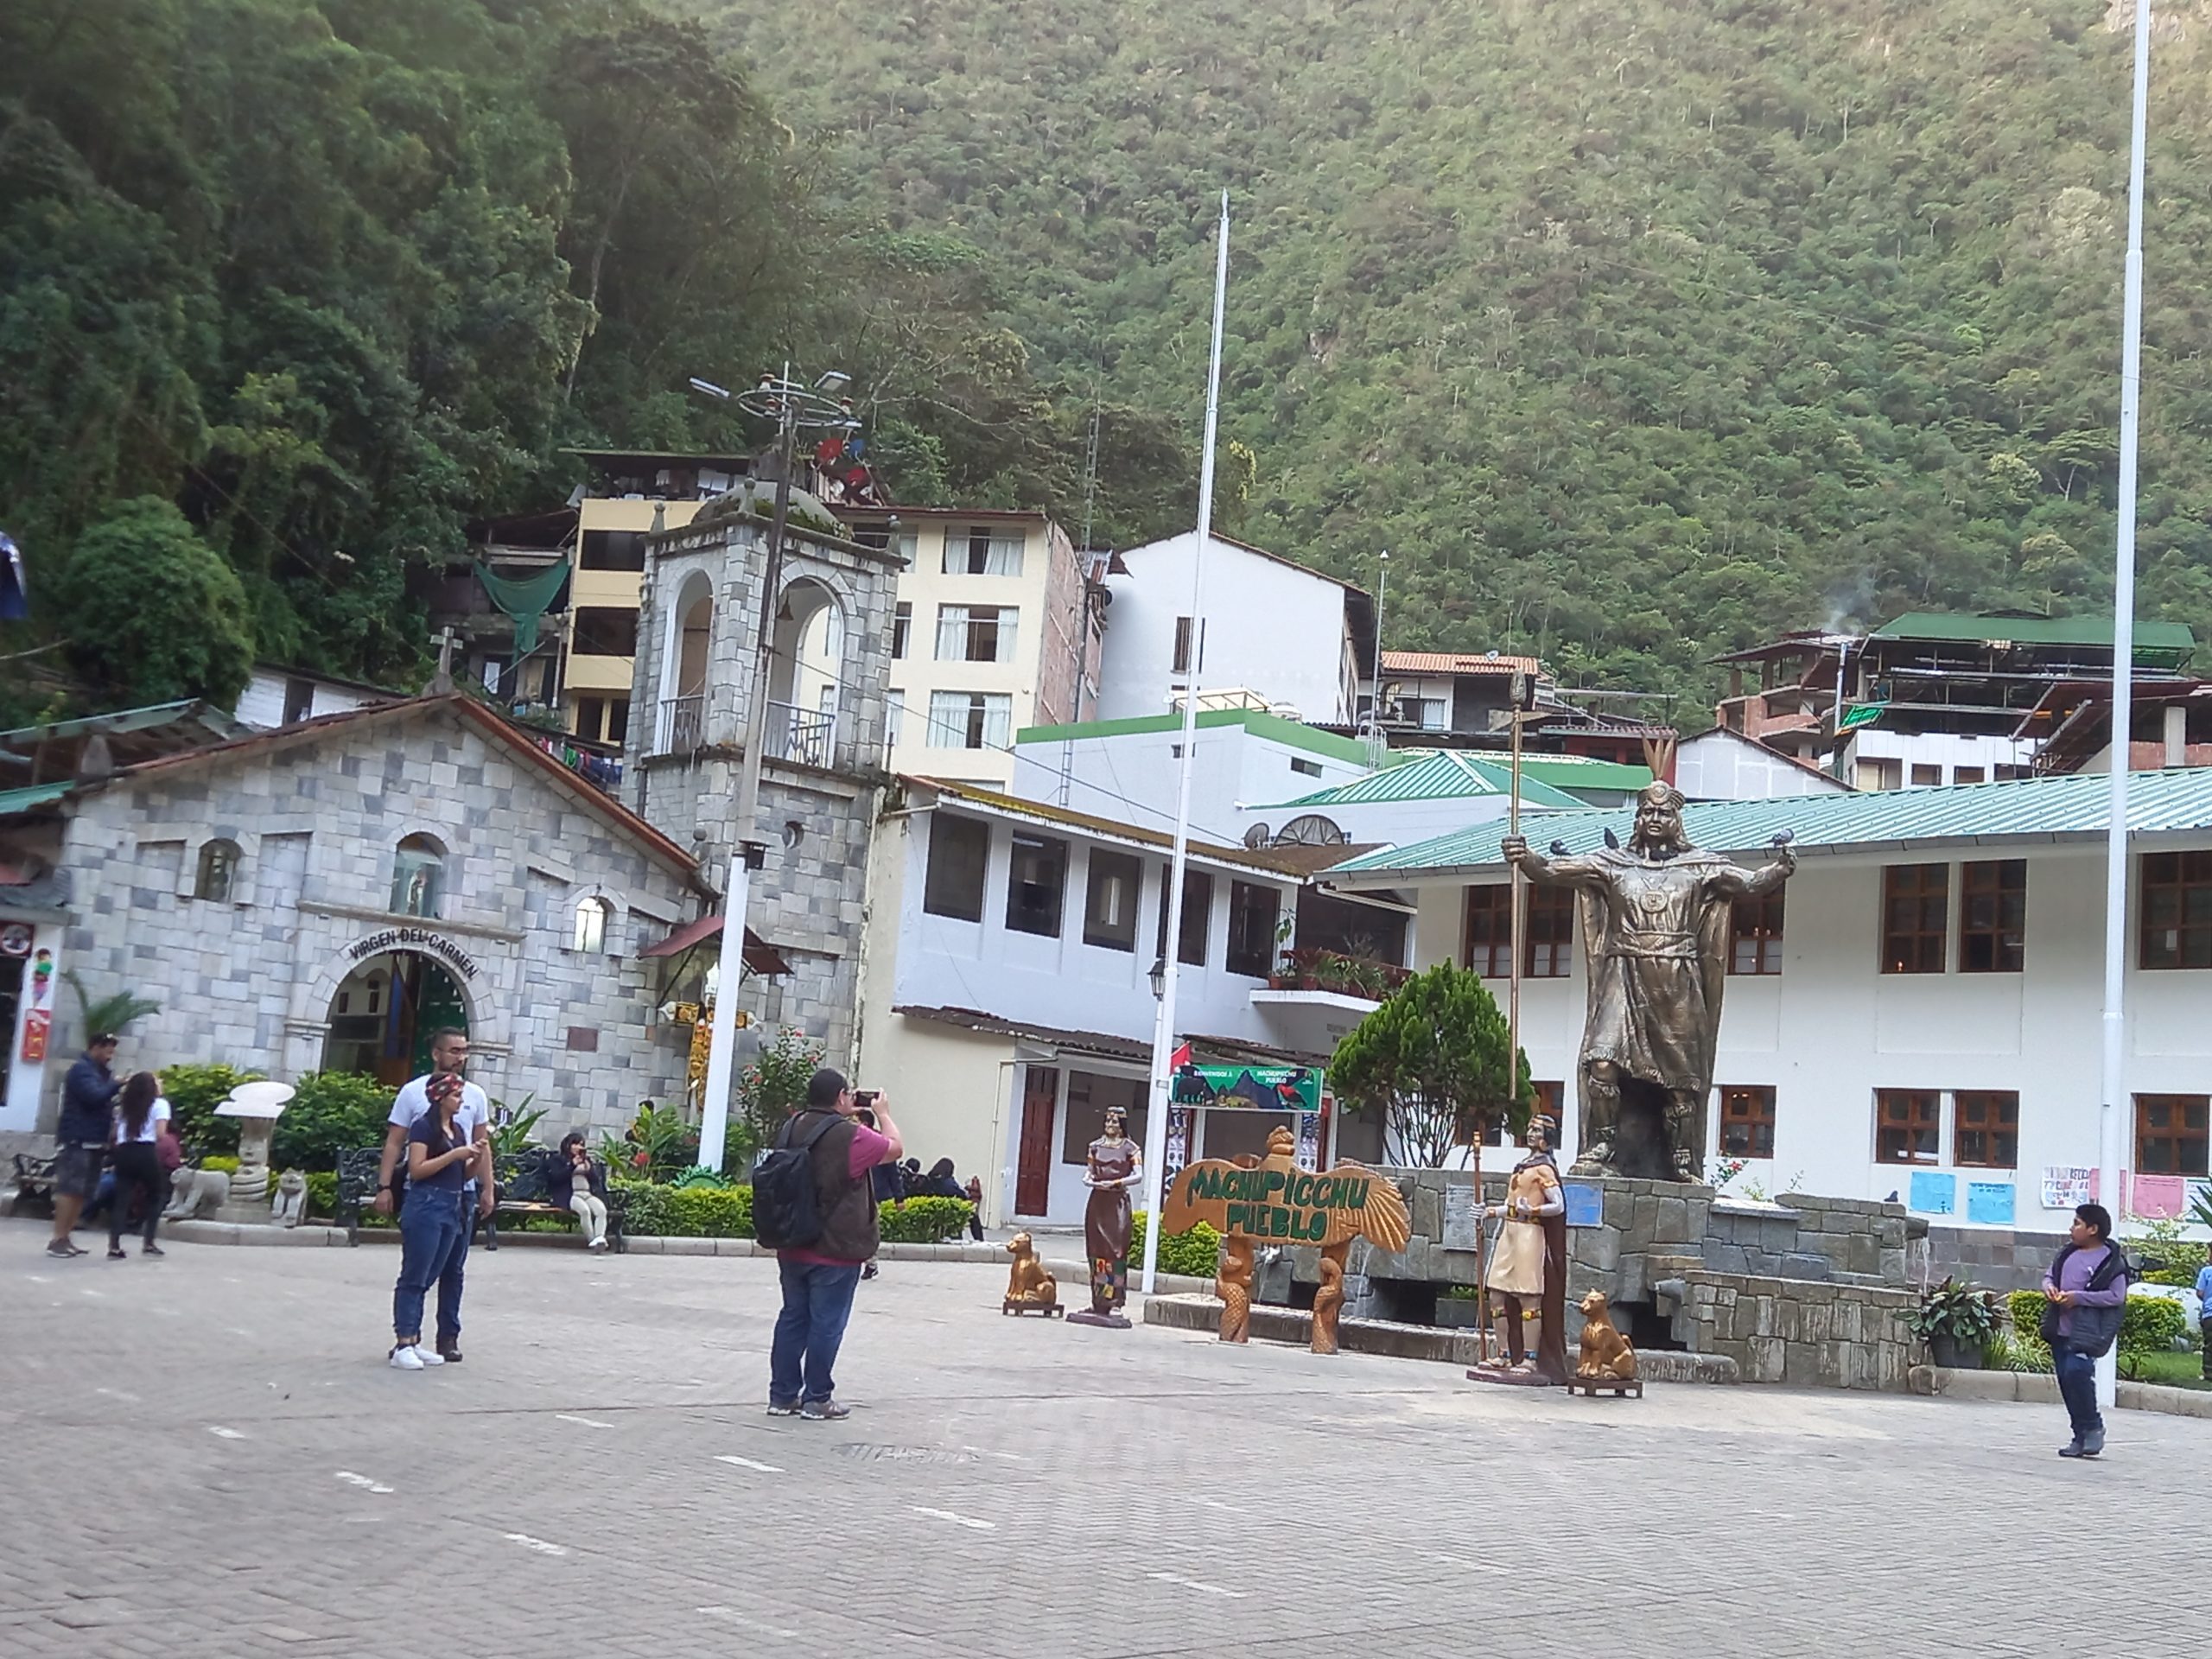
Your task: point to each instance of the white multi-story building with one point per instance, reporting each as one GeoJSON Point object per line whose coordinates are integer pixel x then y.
{"type": "Point", "coordinates": [998, 627]}
{"type": "Point", "coordinates": [1008, 997]}
{"type": "Point", "coordinates": [1300, 642]}
{"type": "Point", "coordinates": [1927, 1022]}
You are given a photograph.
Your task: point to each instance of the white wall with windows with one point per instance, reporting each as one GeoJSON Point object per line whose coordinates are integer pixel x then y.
{"type": "Point", "coordinates": [1003, 945]}
{"type": "Point", "coordinates": [1930, 1012]}
{"type": "Point", "coordinates": [1293, 635]}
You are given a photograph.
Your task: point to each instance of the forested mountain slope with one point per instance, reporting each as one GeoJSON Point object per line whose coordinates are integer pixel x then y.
{"type": "Point", "coordinates": [1633, 329]}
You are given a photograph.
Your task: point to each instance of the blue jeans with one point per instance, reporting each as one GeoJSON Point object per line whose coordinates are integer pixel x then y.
{"type": "Point", "coordinates": [2077, 1386]}
{"type": "Point", "coordinates": [433, 1245]}
{"type": "Point", "coordinates": [817, 1301]}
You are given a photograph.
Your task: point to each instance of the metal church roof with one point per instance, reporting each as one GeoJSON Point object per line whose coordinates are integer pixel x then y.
{"type": "Point", "coordinates": [2172, 802]}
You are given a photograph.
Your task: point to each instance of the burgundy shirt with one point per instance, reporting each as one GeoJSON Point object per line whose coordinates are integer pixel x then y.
{"type": "Point", "coordinates": [867, 1150]}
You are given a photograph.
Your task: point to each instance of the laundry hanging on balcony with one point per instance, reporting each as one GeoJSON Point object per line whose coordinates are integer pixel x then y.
{"type": "Point", "coordinates": [526, 602]}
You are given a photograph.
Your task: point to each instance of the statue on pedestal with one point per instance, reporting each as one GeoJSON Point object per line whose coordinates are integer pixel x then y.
{"type": "Point", "coordinates": [1115, 1165]}
{"type": "Point", "coordinates": [1655, 934]}
{"type": "Point", "coordinates": [1029, 1289]}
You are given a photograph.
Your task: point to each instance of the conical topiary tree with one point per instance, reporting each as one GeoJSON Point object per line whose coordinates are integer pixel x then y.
{"type": "Point", "coordinates": [1431, 1059]}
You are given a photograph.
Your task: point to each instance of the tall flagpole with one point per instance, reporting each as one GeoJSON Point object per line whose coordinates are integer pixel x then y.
{"type": "Point", "coordinates": [2112, 1115]}
{"type": "Point", "coordinates": [1163, 1029]}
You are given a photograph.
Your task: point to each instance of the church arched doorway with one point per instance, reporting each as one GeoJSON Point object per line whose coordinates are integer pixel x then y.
{"type": "Point", "coordinates": [384, 1013]}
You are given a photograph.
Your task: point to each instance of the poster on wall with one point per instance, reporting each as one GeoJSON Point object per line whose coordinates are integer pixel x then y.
{"type": "Point", "coordinates": [1933, 1193]}
{"type": "Point", "coordinates": [2157, 1197]}
{"type": "Point", "coordinates": [38, 1018]}
{"type": "Point", "coordinates": [1990, 1203]}
{"type": "Point", "coordinates": [2066, 1186]}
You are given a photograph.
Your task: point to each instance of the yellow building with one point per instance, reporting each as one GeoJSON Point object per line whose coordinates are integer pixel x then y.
{"type": "Point", "coordinates": [1000, 626]}
{"type": "Point", "coordinates": [627, 495]}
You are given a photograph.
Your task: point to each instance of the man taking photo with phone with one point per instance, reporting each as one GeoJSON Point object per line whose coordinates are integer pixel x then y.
{"type": "Point", "coordinates": [820, 1277]}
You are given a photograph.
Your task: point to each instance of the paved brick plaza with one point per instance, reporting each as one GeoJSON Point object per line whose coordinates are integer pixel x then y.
{"type": "Point", "coordinates": [207, 1456]}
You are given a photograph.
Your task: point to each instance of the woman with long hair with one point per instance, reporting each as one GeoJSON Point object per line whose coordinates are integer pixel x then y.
{"type": "Point", "coordinates": [140, 1111]}
{"type": "Point", "coordinates": [579, 1180]}
{"type": "Point", "coordinates": [434, 1222]}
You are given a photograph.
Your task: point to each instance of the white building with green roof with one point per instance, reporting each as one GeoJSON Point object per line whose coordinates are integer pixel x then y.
{"type": "Point", "coordinates": [1918, 1012]}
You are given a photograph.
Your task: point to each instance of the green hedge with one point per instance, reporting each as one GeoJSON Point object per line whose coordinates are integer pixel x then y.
{"type": "Point", "coordinates": [2148, 1326]}
{"type": "Point", "coordinates": [655, 1211]}
{"type": "Point", "coordinates": [923, 1221]}
{"type": "Point", "coordinates": [1196, 1254]}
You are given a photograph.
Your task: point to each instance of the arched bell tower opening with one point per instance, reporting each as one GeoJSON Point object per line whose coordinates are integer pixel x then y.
{"type": "Point", "coordinates": [805, 679]}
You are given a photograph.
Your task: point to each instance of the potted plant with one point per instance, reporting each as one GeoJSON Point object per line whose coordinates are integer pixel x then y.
{"type": "Point", "coordinates": [1956, 1320]}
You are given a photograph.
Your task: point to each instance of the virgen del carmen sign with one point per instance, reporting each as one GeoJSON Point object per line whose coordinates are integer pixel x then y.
{"type": "Point", "coordinates": [414, 938]}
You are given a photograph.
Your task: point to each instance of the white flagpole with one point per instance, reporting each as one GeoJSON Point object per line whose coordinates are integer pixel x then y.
{"type": "Point", "coordinates": [1163, 1030]}
{"type": "Point", "coordinates": [2112, 1116]}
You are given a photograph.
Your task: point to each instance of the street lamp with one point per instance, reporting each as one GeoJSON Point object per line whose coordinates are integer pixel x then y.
{"type": "Point", "coordinates": [793, 407]}
{"type": "Point", "coordinates": [1159, 977]}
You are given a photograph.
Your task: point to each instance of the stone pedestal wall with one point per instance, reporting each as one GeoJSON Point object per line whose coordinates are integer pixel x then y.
{"type": "Point", "coordinates": [1805, 1291]}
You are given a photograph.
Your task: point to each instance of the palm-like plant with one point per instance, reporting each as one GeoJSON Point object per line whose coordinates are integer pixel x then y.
{"type": "Point", "coordinates": [109, 1014]}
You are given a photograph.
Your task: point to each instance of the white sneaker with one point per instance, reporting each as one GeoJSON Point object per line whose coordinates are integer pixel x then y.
{"type": "Point", "coordinates": [406, 1358]}
{"type": "Point", "coordinates": [430, 1355]}
{"type": "Point", "coordinates": [596, 1244]}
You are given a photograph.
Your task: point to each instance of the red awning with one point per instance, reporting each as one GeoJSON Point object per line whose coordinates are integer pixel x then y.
{"type": "Point", "coordinates": [761, 957]}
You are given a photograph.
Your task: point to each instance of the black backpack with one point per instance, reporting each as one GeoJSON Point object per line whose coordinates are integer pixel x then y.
{"type": "Point", "coordinates": [786, 1204]}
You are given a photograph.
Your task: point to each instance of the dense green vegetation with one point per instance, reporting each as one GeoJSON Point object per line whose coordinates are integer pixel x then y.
{"type": "Point", "coordinates": [1633, 329]}
{"type": "Point", "coordinates": [330, 277]}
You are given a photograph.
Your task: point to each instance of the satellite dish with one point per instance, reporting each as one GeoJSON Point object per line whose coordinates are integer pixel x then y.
{"type": "Point", "coordinates": [1311, 830]}
{"type": "Point", "coordinates": [1257, 838]}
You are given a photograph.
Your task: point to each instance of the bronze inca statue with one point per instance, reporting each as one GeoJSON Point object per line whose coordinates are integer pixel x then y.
{"type": "Point", "coordinates": [1655, 932]}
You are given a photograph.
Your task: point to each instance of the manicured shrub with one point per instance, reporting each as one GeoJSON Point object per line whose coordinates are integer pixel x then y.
{"type": "Point", "coordinates": [923, 1221]}
{"type": "Point", "coordinates": [193, 1092]}
{"type": "Point", "coordinates": [332, 1111]}
{"type": "Point", "coordinates": [1196, 1254]}
{"type": "Point", "coordinates": [2148, 1326]}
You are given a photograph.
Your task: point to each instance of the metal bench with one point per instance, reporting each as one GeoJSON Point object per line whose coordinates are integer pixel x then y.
{"type": "Point", "coordinates": [33, 1185]}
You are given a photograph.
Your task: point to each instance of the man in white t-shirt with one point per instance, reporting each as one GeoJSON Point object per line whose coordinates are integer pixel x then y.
{"type": "Point", "coordinates": [448, 1056]}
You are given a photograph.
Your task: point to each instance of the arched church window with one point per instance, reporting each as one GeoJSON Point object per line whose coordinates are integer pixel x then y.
{"type": "Point", "coordinates": [593, 914]}
{"type": "Point", "coordinates": [218, 871]}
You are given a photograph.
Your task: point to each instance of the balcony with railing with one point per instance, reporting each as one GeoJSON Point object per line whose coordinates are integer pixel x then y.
{"type": "Point", "coordinates": [807, 736]}
{"type": "Point", "coordinates": [682, 723]}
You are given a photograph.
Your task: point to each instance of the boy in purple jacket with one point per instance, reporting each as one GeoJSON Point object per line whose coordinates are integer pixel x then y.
{"type": "Point", "coordinates": [2087, 1289]}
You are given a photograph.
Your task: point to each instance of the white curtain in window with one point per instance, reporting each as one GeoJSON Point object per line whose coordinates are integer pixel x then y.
{"type": "Point", "coordinates": [947, 727]}
{"type": "Point", "coordinates": [894, 716]}
{"type": "Point", "coordinates": [1005, 557]}
{"type": "Point", "coordinates": [951, 633]}
{"type": "Point", "coordinates": [1008, 617]}
{"type": "Point", "coordinates": [998, 721]}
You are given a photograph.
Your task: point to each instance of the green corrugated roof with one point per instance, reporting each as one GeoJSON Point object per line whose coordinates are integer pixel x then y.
{"type": "Point", "coordinates": [2173, 801]}
{"type": "Point", "coordinates": [1257, 722]}
{"type": "Point", "coordinates": [1436, 775]}
{"type": "Point", "coordinates": [2163, 638]}
{"type": "Point", "coordinates": [13, 801]}
{"type": "Point", "coordinates": [1585, 772]}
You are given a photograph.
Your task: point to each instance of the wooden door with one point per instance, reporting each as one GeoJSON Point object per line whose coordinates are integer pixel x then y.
{"type": "Point", "coordinates": [1032, 1175]}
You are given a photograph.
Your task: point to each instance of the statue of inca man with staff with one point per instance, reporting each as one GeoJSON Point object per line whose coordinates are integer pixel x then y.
{"type": "Point", "coordinates": [1654, 933]}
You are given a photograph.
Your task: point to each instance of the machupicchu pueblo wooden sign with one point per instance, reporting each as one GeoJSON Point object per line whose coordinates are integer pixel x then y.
{"type": "Point", "coordinates": [1275, 1202]}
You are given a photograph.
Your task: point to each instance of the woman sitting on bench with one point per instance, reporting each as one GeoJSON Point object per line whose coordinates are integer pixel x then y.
{"type": "Point", "coordinates": [579, 1180]}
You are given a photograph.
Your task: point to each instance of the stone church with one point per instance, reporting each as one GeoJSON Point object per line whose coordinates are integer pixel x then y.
{"type": "Point", "coordinates": [326, 895]}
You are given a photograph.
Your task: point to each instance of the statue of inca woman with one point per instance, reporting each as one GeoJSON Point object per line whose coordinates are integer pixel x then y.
{"type": "Point", "coordinates": [1116, 1165]}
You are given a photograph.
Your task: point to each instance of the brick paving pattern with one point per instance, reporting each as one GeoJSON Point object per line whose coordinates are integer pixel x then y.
{"type": "Point", "coordinates": [207, 1456]}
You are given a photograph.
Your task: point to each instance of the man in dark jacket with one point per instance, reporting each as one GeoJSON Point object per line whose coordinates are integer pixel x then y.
{"type": "Point", "coordinates": [80, 1138]}
{"type": "Point", "coordinates": [2087, 1289]}
{"type": "Point", "coordinates": [818, 1282]}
